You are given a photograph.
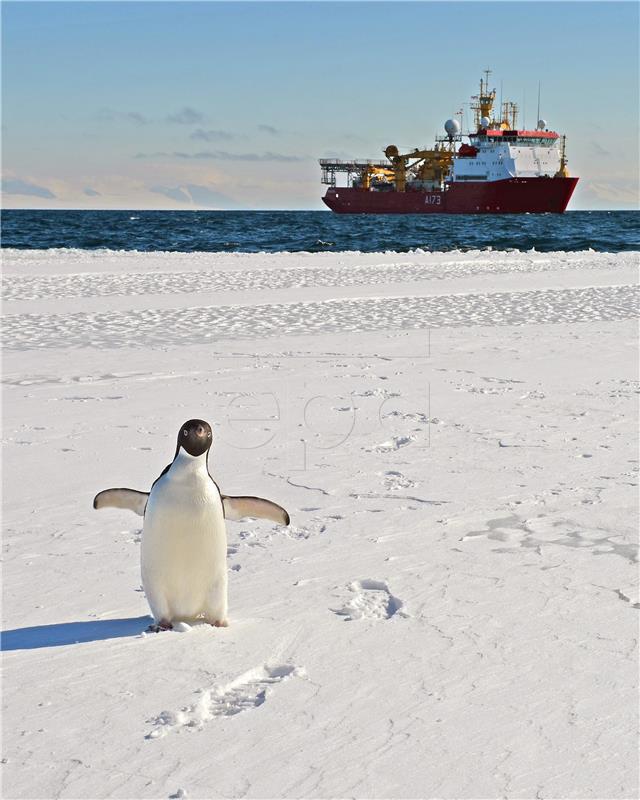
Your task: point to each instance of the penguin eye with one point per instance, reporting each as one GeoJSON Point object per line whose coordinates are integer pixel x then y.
{"type": "Point", "coordinates": [209, 435]}
{"type": "Point", "coordinates": [185, 432]}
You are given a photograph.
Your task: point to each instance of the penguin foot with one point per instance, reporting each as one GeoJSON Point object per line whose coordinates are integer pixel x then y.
{"type": "Point", "coordinates": [219, 623]}
{"type": "Point", "coordinates": [163, 625]}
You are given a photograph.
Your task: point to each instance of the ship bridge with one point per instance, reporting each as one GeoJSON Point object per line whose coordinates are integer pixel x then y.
{"type": "Point", "coordinates": [537, 137]}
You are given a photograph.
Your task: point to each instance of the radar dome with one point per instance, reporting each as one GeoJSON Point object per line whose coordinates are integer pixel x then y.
{"type": "Point", "coordinates": [485, 122]}
{"type": "Point", "coordinates": [542, 125]}
{"type": "Point", "coordinates": [452, 127]}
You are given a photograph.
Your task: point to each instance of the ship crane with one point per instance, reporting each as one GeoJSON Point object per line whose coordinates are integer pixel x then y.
{"type": "Point", "coordinates": [428, 165]}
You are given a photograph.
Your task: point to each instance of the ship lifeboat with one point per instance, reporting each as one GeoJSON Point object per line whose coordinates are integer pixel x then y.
{"type": "Point", "coordinates": [467, 150]}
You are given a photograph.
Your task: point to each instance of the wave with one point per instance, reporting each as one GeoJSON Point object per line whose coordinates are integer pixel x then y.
{"type": "Point", "coordinates": [316, 232]}
{"type": "Point", "coordinates": [70, 254]}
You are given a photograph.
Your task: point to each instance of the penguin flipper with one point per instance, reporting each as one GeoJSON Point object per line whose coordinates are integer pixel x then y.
{"type": "Point", "coordinates": [237, 508]}
{"type": "Point", "coordinates": [122, 498]}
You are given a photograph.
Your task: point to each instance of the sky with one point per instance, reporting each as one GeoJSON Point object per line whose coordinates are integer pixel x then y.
{"type": "Point", "coordinates": [147, 105]}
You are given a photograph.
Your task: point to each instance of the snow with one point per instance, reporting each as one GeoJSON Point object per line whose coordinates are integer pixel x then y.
{"type": "Point", "coordinates": [453, 610]}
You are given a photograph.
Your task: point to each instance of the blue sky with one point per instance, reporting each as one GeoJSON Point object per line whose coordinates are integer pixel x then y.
{"type": "Point", "coordinates": [229, 105]}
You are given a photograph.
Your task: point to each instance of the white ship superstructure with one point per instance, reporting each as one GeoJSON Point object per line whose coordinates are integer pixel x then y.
{"type": "Point", "coordinates": [496, 155]}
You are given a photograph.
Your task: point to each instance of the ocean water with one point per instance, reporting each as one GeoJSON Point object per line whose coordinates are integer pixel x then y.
{"type": "Point", "coordinates": [315, 231]}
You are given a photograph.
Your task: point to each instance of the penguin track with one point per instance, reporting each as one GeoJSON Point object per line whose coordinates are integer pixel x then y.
{"type": "Point", "coordinates": [249, 691]}
{"type": "Point", "coordinates": [314, 527]}
{"type": "Point", "coordinates": [395, 443]}
{"type": "Point", "coordinates": [371, 600]}
{"type": "Point", "coordinates": [394, 480]}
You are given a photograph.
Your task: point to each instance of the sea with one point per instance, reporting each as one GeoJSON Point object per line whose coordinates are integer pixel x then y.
{"type": "Point", "coordinates": [317, 231]}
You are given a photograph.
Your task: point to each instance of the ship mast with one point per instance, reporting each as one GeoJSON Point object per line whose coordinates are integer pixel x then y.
{"type": "Point", "coordinates": [483, 106]}
{"type": "Point", "coordinates": [510, 115]}
{"type": "Point", "coordinates": [563, 172]}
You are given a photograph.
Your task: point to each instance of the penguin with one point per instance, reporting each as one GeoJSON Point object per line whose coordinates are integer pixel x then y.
{"type": "Point", "coordinates": [184, 540]}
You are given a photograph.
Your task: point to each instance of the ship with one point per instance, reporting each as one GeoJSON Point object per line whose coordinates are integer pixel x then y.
{"type": "Point", "coordinates": [501, 169]}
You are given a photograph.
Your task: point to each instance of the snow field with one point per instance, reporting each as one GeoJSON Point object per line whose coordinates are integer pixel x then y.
{"type": "Point", "coordinates": [453, 610]}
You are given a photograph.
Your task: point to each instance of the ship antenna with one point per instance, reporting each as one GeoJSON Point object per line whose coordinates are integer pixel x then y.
{"type": "Point", "coordinates": [524, 109]}
{"type": "Point", "coordinates": [538, 117]}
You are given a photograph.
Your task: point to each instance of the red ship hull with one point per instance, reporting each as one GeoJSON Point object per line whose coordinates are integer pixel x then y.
{"type": "Point", "coordinates": [512, 196]}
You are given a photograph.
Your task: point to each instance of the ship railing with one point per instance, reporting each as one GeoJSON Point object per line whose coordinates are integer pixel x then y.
{"type": "Point", "coordinates": [331, 166]}
{"type": "Point", "coordinates": [351, 165]}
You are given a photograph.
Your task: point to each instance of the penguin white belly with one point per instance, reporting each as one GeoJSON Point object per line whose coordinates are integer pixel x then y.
{"type": "Point", "coordinates": [184, 546]}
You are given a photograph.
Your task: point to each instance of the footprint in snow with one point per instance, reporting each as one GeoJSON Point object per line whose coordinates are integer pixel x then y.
{"type": "Point", "coordinates": [392, 444]}
{"type": "Point", "coordinates": [315, 526]}
{"type": "Point", "coordinates": [249, 691]}
{"type": "Point", "coordinates": [394, 480]}
{"type": "Point", "coordinates": [370, 600]}
{"type": "Point", "coordinates": [135, 536]}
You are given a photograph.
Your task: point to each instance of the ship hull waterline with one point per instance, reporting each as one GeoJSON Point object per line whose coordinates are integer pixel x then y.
{"type": "Point", "coordinates": [512, 196]}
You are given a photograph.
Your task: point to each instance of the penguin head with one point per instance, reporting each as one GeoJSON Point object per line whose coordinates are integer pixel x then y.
{"type": "Point", "coordinates": [195, 437]}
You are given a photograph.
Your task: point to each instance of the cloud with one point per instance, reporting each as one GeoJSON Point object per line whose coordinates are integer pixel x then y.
{"type": "Point", "coordinates": [223, 155]}
{"type": "Point", "coordinates": [195, 194]}
{"type": "Point", "coordinates": [269, 129]}
{"type": "Point", "coordinates": [187, 116]}
{"type": "Point", "coordinates": [110, 115]}
{"type": "Point", "coordinates": [598, 149]}
{"type": "Point", "coordinates": [17, 186]}
{"type": "Point", "coordinates": [337, 154]}
{"type": "Point", "coordinates": [176, 193]}
{"type": "Point", "coordinates": [203, 196]}
{"type": "Point", "coordinates": [212, 136]}
{"type": "Point", "coordinates": [91, 192]}
{"type": "Point", "coordinates": [613, 191]}
{"type": "Point", "coordinates": [268, 156]}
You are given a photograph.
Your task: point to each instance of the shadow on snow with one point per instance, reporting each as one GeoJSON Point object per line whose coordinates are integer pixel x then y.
{"type": "Point", "coordinates": [71, 633]}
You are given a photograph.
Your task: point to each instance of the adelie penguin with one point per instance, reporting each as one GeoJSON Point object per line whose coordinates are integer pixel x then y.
{"type": "Point", "coordinates": [184, 540]}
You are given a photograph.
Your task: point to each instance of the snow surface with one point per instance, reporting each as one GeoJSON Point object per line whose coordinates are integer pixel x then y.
{"type": "Point", "coordinates": [452, 612]}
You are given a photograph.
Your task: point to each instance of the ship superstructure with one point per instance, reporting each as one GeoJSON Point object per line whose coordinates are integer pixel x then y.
{"type": "Point", "coordinates": [501, 169]}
